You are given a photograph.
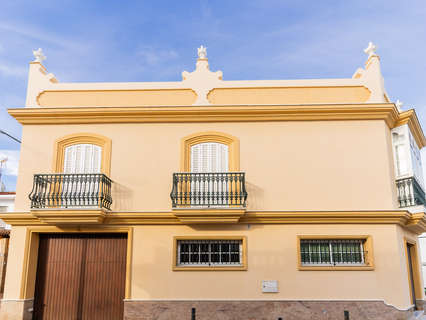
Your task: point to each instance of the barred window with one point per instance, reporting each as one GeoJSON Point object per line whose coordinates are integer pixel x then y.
{"type": "Point", "coordinates": [209, 253]}
{"type": "Point", "coordinates": [336, 252]}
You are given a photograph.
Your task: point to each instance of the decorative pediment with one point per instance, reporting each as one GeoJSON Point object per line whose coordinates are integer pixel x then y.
{"type": "Point", "coordinates": [202, 80]}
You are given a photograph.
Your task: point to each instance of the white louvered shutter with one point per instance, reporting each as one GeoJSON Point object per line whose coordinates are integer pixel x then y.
{"type": "Point", "coordinates": [209, 157]}
{"type": "Point", "coordinates": [82, 158]}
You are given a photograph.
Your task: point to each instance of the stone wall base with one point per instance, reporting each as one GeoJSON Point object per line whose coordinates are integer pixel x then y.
{"type": "Point", "coordinates": [16, 309]}
{"type": "Point", "coordinates": [262, 310]}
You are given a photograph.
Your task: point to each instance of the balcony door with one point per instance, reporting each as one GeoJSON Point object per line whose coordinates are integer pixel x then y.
{"type": "Point", "coordinates": [209, 180]}
{"type": "Point", "coordinates": [82, 158]}
{"type": "Point", "coordinates": [81, 163]}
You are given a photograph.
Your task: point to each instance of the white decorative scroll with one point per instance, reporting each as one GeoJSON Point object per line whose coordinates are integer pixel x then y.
{"type": "Point", "coordinates": [371, 49]}
{"type": "Point", "coordinates": [399, 105]}
{"type": "Point", "coordinates": [38, 55]}
{"type": "Point", "coordinates": [202, 52]}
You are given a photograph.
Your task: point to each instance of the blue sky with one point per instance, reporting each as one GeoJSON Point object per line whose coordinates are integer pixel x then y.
{"type": "Point", "coordinates": [138, 40]}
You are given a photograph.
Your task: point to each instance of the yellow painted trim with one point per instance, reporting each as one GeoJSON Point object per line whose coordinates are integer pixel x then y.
{"type": "Point", "coordinates": [202, 216]}
{"type": "Point", "coordinates": [31, 253]}
{"type": "Point", "coordinates": [28, 250]}
{"type": "Point", "coordinates": [368, 247]}
{"type": "Point", "coordinates": [327, 217]}
{"type": "Point", "coordinates": [418, 286]}
{"type": "Point", "coordinates": [79, 138]}
{"type": "Point", "coordinates": [210, 136]}
{"type": "Point", "coordinates": [70, 216]}
{"type": "Point", "coordinates": [410, 117]}
{"type": "Point", "coordinates": [417, 223]}
{"type": "Point", "coordinates": [211, 113]}
{"type": "Point", "coordinates": [413, 222]}
{"type": "Point", "coordinates": [208, 268]}
{"type": "Point", "coordinates": [220, 113]}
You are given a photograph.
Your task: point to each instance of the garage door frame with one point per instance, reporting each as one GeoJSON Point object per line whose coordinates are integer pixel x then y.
{"type": "Point", "coordinates": [31, 254]}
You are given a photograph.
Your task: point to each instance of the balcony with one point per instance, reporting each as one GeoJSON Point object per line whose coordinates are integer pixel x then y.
{"type": "Point", "coordinates": [208, 189]}
{"type": "Point", "coordinates": [71, 198]}
{"type": "Point", "coordinates": [209, 197]}
{"type": "Point", "coordinates": [410, 193]}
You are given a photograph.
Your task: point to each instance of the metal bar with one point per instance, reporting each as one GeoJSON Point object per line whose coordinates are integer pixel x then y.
{"type": "Point", "coordinates": [71, 190]}
{"type": "Point", "coordinates": [208, 189]}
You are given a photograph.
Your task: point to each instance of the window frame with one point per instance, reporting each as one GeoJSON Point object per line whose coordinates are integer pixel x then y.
{"type": "Point", "coordinates": [82, 138]}
{"type": "Point", "coordinates": [241, 267]}
{"type": "Point", "coordinates": [368, 258]}
{"type": "Point", "coordinates": [210, 136]}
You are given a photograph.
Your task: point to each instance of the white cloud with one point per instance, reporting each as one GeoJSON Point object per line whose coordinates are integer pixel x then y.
{"type": "Point", "coordinates": [33, 32]}
{"type": "Point", "coordinates": [12, 163]}
{"type": "Point", "coordinates": [12, 71]}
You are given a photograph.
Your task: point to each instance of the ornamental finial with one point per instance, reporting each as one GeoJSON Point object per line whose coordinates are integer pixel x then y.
{"type": "Point", "coordinates": [399, 104]}
{"type": "Point", "coordinates": [202, 52]}
{"type": "Point", "coordinates": [371, 49]}
{"type": "Point", "coordinates": [38, 55]}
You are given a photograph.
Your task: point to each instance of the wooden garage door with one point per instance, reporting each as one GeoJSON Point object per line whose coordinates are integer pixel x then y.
{"type": "Point", "coordinates": [80, 277]}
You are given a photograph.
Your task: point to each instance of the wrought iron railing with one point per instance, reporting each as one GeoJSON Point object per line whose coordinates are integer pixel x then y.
{"type": "Point", "coordinates": [71, 191]}
{"type": "Point", "coordinates": [209, 189]}
{"type": "Point", "coordinates": [410, 193]}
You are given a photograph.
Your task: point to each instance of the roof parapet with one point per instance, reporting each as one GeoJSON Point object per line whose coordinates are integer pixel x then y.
{"type": "Point", "coordinates": [372, 77]}
{"type": "Point", "coordinates": [38, 79]}
{"type": "Point", "coordinates": [202, 80]}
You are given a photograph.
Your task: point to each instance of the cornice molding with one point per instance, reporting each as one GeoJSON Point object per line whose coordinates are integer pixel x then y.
{"type": "Point", "coordinates": [410, 117]}
{"type": "Point", "coordinates": [212, 113]}
{"type": "Point", "coordinates": [223, 113]}
{"type": "Point", "coordinates": [413, 222]}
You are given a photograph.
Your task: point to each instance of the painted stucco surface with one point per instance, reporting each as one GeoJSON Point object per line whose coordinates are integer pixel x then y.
{"type": "Point", "coordinates": [322, 165]}
{"type": "Point", "coordinates": [15, 263]}
{"type": "Point", "coordinates": [272, 255]}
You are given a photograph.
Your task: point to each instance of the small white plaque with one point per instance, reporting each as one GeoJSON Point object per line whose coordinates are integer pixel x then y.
{"type": "Point", "coordinates": [269, 285]}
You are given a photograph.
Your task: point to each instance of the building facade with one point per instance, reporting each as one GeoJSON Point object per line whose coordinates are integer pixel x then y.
{"type": "Point", "coordinates": [215, 199]}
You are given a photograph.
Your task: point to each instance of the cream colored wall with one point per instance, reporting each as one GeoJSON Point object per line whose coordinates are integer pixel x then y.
{"type": "Point", "coordinates": [403, 234]}
{"type": "Point", "coordinates": [272, 255]}
{"type": "Point", "coordinates": [321, 165]}
{"type": "Point", "coordinates": [13, 281]}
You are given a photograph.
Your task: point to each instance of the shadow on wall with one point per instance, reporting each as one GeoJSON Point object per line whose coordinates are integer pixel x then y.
{"type": "Point", "coordinates": [255, 197]}
{"type": "Point", "coordinates": [122, 197]}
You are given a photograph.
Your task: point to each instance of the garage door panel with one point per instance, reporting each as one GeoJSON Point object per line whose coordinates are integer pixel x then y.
{"type": "Point", "coordinates": [105, 278]}
{"type": "Point", "coordinates": [58, 277]}
{"type": "Point", "coordinates": [80, 276]}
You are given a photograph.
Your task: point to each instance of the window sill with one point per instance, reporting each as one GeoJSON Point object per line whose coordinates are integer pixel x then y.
{"type": "Point", "coordinates": [208, 268]}
{"type": "Point", "coordinates": [336, 268]}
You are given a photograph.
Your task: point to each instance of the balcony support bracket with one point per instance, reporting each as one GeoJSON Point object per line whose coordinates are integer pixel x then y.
{"type": "Point", "coordinates": [70, 217]}
{"type": "Point", "coordinates": [208, 215]}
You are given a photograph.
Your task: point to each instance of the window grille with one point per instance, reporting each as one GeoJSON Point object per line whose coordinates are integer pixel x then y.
{"type": "Point", "coordinates": [332, 252]}
{"type": "Point", "coordinates": [209, 253]}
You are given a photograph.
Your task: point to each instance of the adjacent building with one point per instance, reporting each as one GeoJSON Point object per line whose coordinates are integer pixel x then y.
{"type": "Point", "coordinates": [7, 200]}
{"type": "Point", "coordinates": [216, 199]}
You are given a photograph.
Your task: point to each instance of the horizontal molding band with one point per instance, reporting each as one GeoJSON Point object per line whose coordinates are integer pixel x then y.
{"type": "Point", "coordinates": [211, 113]}
{"type": "Point", "coordinates": [222, 113]}
{"type": "Point", "coordinates": [415, 222]}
